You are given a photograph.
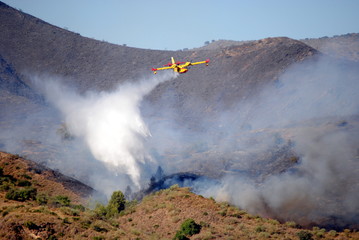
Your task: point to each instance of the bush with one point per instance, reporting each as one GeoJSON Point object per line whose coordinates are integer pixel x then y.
{"type": "Point", "coordinates": [291, 224]}
{"type": "Point", "coordinates": [5, 186]}
{"type": "Point", "coordinates": [304, 235]}
{"type": "Point", "coordinates": [100, 211]}
{"type": "Point", "coordinates": [260, 229]}
{"type": "Point", "coordinates": [115, 205]}
{"type": "Point", "coordinates": [21, 194]}
{"type": "Point", "coordinates": [332, 233]}
{"type": "Point", "coordinates": [117, 202]}
{"type": "Point", "coordinates": [62, 201]}
{"type": "Point", "coordinates": [6, 179]}
{"type": "Point", "coordinates": [24, 183]}
{"type": "Point", "coordinates": [188, 228]}
{"type": "Point", "coordinates": [30, 225]}
{"type": "Point", "coordinates": [26, 176]}
{"type": "Point", "coordinates": [78, 207]}
{"type": "Point", "coordinates": [42, 199]}
{"type": "Point", "coordinates": [180, 236]}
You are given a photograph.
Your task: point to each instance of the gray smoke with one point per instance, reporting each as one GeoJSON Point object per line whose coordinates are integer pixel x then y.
{"type": "Point", "coordinates": [290, 152]}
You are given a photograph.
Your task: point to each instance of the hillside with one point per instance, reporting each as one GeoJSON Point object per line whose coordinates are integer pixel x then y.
{"type": "Point", "coordinates": [44, 179]}
{"type": "Point", "coordinates": [270, 125]}
{"type": "Point", "coordinates": [59, 215]}
{"type": "Point", "coordinates": [342, 46]}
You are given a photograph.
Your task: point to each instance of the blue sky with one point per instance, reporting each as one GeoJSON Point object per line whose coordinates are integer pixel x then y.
{"type": "Point", "coordinates": [174, 25]}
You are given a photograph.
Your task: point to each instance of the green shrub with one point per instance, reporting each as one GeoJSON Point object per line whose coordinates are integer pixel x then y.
{"type": "Point", "coordinates": [69, 211]}
{"type": "Point", "coordinates": [21, 194]}
{"type": "Point", "coordinates": [78, 207]}
{"type": "Point", "coordinates": [332, 233]}
{"type": "Point", "coordinates": [5, 186]}
{"type": "Point", "coordinates": [304, 235]}
{"type": "Point", "coordinates": [42, 199]}
{"type": "Point", "coordinates": [188, 228]}
{"type": "Point", "coordinates": [180, 236]}
{"type": "Point", "coordinates": [260, 229]}
{"type": "Point", "coordinates": [7, 179]}
{"type": "Point", "coordinates": [24, 183]}
{"type": "Point", "coordinates": [273, 221]}
{"type": "Point", "coordinates": [115, 206]}
{"type": "Point", "coordinates": [86, 224]}
{"type": "Point", "coordinates": [291, 224]}
{"type": "Point", "coordinates": [100, 211]}
{"type": "Point", "coordinates": [26, 176]}
{"type": "Point", "coordinates": [61, 201]}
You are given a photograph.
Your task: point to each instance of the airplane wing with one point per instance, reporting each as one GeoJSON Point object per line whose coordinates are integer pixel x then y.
{"type": "Point", "coordinates": [195, 63]}
{"type": "Point", "coordinates": [162, 68]}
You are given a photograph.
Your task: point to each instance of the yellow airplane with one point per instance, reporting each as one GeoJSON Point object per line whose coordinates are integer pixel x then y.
{"type": "Point", "coordinates": [180, 67]}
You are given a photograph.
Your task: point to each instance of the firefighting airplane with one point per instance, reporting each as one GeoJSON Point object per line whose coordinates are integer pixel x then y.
{"type": "Point", "coordinates": [180, 67]}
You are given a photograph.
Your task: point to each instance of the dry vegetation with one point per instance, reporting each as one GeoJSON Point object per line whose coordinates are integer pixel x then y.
{"type": "Point", "coordinates": [56, 213]}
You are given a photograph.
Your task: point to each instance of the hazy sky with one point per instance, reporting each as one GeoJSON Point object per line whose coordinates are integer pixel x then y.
{"type": "Point", "coordinates": [174, 25]}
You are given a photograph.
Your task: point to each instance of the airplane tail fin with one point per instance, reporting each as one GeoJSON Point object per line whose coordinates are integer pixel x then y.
{"type": "Point", "coordinates": [173, 60]}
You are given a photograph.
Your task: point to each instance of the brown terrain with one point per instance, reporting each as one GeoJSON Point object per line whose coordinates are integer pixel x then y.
{"type": "Point", "coordinates": [211, 107]}
{"type": "Point", "coordinates": [157, 216]}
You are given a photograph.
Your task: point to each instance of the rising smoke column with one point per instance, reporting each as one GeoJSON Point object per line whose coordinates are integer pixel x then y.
{"type": "Point", "coordinates": [110, 123]}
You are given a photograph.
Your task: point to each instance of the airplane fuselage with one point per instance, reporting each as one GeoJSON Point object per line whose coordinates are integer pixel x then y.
{"type": "Point", "coordinates": [180, 67]}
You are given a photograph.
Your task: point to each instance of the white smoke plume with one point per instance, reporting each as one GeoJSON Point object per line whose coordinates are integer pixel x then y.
{"type": "Point", "coordinates": [110, 123]}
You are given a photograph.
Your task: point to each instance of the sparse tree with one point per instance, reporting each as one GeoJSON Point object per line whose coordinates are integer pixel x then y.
{"type": "Point", "coordinates": [116, 203]}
